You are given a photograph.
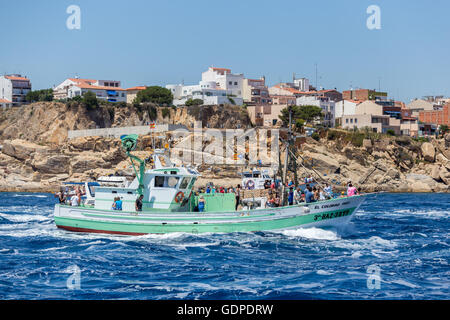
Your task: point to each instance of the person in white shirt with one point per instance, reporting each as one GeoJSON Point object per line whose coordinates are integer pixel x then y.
{"type": "Point", "coordinates": [74, 201]}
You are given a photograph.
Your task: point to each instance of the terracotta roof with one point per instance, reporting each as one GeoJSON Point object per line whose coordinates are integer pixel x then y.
{"type": "Point", "coordinates": [223, 69]}
{"type": "Point", "coordinates": [354, 101]}
{"type": "Point", "coordinates": [136, 88]}
{"type": "Point", "coordinates": [17, 78]}
{"type": "Point", "coordinates": [88, 81]}
{"type": "Point", "coordinates": [87, 86]}
{"type": "Point", "coordinates": [5, 101]}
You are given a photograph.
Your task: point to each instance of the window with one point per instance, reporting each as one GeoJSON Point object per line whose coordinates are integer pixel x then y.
{"type": "Point", "coordinates": [235, 83]}
{"type": "Point", "coordinates": [159, 182]}
{"type": "Point", "coordinates": [346, 120]}
{"type": "Point", "coordinates": [351, 120]}
{"type": "Point", "coordinates": [356, 120]}
{"type": "Point", "coordinates": [185, 183]}
{"type": "Point", "coordinates": [230, 83]}
{"type": "Point", "coordinates": [166, 182]}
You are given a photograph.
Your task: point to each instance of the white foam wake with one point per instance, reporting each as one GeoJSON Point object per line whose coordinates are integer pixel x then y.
{"type": "Point", "coordinates": [312, 233]}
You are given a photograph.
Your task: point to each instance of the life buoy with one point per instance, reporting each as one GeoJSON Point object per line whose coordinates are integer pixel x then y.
{"type": "Point", "coordinates": [250, 185]}
{"type": "Point", "coordinates": [179, 197]}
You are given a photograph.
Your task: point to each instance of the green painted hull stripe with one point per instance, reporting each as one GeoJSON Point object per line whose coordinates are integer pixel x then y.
{"type": "Point", "coordinates": [165, 218]}
{"type": "Point", "coordinates": [245, 226]}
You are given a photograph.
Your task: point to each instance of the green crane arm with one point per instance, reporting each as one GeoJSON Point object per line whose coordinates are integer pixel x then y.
{"type": "Point", "coordinates": [140, 175]}
{"type": "Point", "coordinates": [129, 143]}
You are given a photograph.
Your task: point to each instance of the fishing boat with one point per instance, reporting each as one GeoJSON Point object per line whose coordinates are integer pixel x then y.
{"type": "Point", "coordinates": [170, 205]}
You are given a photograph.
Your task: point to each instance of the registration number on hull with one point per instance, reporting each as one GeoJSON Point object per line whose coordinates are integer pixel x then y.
{"type": "Point", "coordinates": [332, 215]}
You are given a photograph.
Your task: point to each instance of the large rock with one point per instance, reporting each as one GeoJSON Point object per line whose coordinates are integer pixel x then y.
{"type": "Point", "coordinates": [321, 162]}
{"type": "Point", "coordinates": [444, 175]}
{"type": "Point", "coordinates": [435, 173]}
{"type": "Point", "coordinates": [56, 163]}
{"type": "Point", "coordinates": [447, 140]}
{"type": "Point", "coordinates": [424, 183]}
{"type": "Point", "coordinates": [21, 149]}
{"type": "Point", "coordinates": [82, 163]}
{"type": "Point", "coordinates": [428, 152]}
{"type": "Point", "coordinates": [114, 156]}
{"type": "Point", "coordinates": [367, 144]}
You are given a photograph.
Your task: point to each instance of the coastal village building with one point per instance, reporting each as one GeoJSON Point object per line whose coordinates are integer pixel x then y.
{"type": "Point", "coordinates": [285, 89]}
{"type": "Point", "coordinates": [266, 115]}
{"type": "Point", "coordinates": [370, 115]}
{"type": "Point", "coordinates": [108, 90]}
{"type": "Point", "coordinates": [225, 80]}
{"type": "Point", "coordinates": [301, 84]}
{"type": "Point", "coordinates": [438, 117]}
{"type": "Point", "coordinates": [5, 103]}
{"type": "Point", "coordinates": [344, 107]}
{"type": "Point", "coordinates": [288, 100]}
{"type": "Point", "coordinates": [132, 93]}
{"type": "Point", "coordinates": [409, 126]}
{"type": "Point", "coordinates": [255, 91]}
{"type": "Point", "coordinates": [218, 86]}
{"type": "Point", "coordinates": [420, 105]}
{"type": "Point", "coordinates": [290, 89]}
{"type": "Point", "coordinates": [327, 106]}
{"type": "Point", "coordinates": [363, 95]}
{"type": "Point", "coordinates": [14, 88]}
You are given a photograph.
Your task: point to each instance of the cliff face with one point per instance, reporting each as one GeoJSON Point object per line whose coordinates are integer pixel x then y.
{"type": "Point", "coordinates": [48, 122]}
{"type": "Point", "coordinates": [37, 156]}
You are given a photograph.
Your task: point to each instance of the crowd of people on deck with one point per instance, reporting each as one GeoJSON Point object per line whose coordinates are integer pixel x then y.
{"type": "Point", "coordinates": [311, 192]}
{"type": "Point", "coordinates": [70, 197]}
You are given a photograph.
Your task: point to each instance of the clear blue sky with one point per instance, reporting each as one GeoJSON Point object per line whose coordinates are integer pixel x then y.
{"type": "Point", "coordinates": [144, 42]}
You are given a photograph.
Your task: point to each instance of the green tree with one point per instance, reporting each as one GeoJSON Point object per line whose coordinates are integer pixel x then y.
{"type": "Point", "coordinates": [299, 124]}
{"type": "Point", "coordinates": [155, 94]}
{"type": "Point", "coordinates": [306, 113]}
{"type": "Point", "coordinates": [194, 102]}
{"type": "Point", "coordinates": [390, 132]}
{"type": "Point", "coordinates": [165, 112]}
{"type": "Point", "coordinates": [90, 100]}
{"type": "Point", "coordinates": [444, 129]}
{"type": "Point", "coordinates": [40, 95]}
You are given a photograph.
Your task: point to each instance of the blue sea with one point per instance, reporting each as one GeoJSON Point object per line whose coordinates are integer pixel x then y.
{"type": "Point", "coordinates": [397, 247]}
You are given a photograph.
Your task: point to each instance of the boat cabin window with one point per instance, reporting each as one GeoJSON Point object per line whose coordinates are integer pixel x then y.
{"type": "Point", "coordinates": [256, 175]}
{"type": "Point", "coordinates": [166, 182]}
{"type": "Point", "coordinates": [184, 183]}
{"type": "Point", "coordinates": [247, 175]}
{"type": "Point", "coordinates": [159, 182]}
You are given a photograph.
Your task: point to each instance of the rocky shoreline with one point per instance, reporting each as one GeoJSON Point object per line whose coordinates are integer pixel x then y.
{"type": "Point", "coordinates": [36, 155]}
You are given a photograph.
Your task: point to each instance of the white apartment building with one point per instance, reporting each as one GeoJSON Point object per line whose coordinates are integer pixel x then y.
{"type": "Point", "coordinates": [108, 90]}
{"type": "Point", "coordinates": [224, 79]}
{"type": "Point", "coordinates": [344, 108]}
{"type": "Point", "coordinates": [218, 86]}
{"type": "Point", "coordinates": [14, 88]}
{"type": "Point", "coordinates": [327, 106]}
{"type": "Point", "coordinates": [301, 84]}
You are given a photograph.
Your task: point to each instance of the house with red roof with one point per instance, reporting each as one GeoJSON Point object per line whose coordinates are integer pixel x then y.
{"type": "Point", "coordinates": [5, 103]}
{"type": "Point", "coordinates": [108, 90]}
{"type": "Point", "coordinates": [14, 88]}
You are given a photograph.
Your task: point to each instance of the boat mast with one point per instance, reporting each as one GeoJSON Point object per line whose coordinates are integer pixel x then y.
{"type": "Point", "coordinates": [287, 156]}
